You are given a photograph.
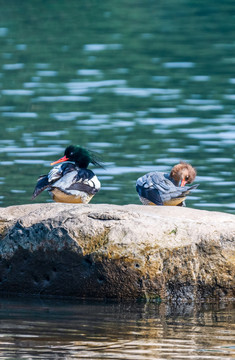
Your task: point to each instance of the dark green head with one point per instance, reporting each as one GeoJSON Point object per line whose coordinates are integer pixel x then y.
{"type": "Point", "coordinates": [81, 156]}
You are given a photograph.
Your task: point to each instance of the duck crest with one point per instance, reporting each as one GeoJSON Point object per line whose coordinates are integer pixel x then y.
{"type": "Point", "coordinates": [81, 156]}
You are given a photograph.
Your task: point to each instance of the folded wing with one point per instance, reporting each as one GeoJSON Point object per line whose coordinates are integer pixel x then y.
{"type": "Point", "coordinates": [158, 189]}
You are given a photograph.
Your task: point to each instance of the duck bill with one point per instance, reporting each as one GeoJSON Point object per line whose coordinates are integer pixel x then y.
{"type": "Point", "coordinates": [64, 158]}
{"type": "Point", "coordinates": [183, 182]}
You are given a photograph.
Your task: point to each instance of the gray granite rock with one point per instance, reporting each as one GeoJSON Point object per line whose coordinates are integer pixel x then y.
{"type": "Point", "coordinates": [118, 252]}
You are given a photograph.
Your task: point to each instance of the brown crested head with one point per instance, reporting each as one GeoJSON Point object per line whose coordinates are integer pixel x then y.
{"type": "Point", "coordinates": [183, 173]}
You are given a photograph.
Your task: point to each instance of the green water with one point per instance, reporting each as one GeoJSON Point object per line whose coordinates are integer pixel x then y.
{"type": "Point", "coordinates": [145, 84]}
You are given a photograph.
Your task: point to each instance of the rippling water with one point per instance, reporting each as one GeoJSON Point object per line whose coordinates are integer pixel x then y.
{"type": "Point", "coordinates": [65, 330]}
{"type": "Point", "coordinates": [144, 88]}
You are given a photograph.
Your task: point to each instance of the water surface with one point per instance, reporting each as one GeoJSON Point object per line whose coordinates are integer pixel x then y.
{"type": "Point", "coordinates": [50, 329]}
{"type": "Point", "coordinates": [144, 88]}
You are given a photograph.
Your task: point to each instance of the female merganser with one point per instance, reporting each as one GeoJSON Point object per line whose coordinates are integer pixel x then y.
{"type": "Point", "coordinates": [71, 182]}
{"type": "Point", "coordinates": [157, 188]}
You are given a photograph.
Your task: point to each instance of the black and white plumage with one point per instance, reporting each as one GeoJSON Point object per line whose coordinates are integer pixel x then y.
{"type": "Point", "coordinates": [157, 188]}
{"type": "Point", "coordinates": [69, 182]}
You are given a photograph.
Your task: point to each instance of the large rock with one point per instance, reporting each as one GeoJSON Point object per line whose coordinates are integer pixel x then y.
{"type": "Point", "coordinates": [121, 252]}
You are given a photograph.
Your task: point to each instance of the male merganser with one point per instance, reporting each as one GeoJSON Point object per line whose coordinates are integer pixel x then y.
{"type": "Point", "coordinates": [71, 182]}
{"type": "Point", "coordinates": [157, 188]}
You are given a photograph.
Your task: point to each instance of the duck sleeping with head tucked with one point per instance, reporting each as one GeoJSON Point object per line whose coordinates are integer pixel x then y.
{"type": "Point", "coordinates": [71, 181]}
{"type": "Point", "coordinates": [157, 188]}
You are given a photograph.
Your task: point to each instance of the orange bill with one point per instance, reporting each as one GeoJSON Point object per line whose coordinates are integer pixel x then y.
{"type": "Point", "coordinates": [64, 158]}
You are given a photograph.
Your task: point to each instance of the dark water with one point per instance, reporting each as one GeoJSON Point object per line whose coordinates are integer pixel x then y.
{"type": "Point", "coordinates": [144, 83]}
{"type": "Point", "coordinates": [31, 329]}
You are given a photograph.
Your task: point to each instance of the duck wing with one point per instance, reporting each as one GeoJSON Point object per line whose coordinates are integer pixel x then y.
{"type": "Point", "coordinates": [152, 186]}
{"type": "Point", "coordinates": [79, 180]}
{"type": "Point", "coordinates": [56, 173]}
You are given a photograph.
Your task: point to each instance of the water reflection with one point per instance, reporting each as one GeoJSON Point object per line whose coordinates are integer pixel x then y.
{"type": "Point", "coordinates": [141, 90]}
{"type": "Point", "coordinates": [46, 329]}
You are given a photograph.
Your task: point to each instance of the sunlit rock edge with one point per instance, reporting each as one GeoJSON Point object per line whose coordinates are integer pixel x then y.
{"type": "Point", "coordinates": [118, 252]}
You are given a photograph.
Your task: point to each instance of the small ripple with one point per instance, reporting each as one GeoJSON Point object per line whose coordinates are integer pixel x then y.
{"type": "Point", "coordinates": [29, 162]}
{"type": "Point", "coordinates": [229, 97]}
{"type": "Point", "coordinates": [123, 114]}
{"type": "Point", "coordinates": [224, 183]}
{"type": "Point", "coordinates": [168, 161]}
{"type": "Point", "coordinates": [15, 191]}
{"type": "Point", "coordinates": [17, 66]}
{"type": "Point", "coordinates": [89, 72]}
{"type": "Point", "coordinates": [167, 97]}
{"type": "Point", "coordinates": [32, 154]}
{"type": "Point", "coordinates": [87, 85]}
{"type": "Point", "coordinates": [52, 133]}
{"type": "Point", "coordinates": [201, 102]}
{"type": "Point", "coordinates": [111, 188]}
{"type": "Point", "coordinates": [20, 115]}
{"type": "Point", "coordinates": [20, 92]}
{"type": "Point", "coordinates": [220, 160]}
{"type": "Point", "coordinates": [177, 150]}
{"type": "Point", "coordinates": [200, 78]}
{"type": "Point", "coordinates": [228, 118]}
{"type": "Point", "coordinates": [7, 108]}
{"type": "Point", "coordinates": [99, 144]}
{"type": "Point", "coordinates": [93, 127]}
{"type": "Point", "coordinates": [64, 98]}
{"type": "Point", "coordinates": [47, 73]}
{"type": "Point", "coordinates": [210, 179]}
{"type": "Point", "coordinates": [37, 84]}
{"type": "Point", "coordinates": [230, 206]}
{"type": "Point", "coordinates": [6, 163]}
{"type": "Point", "coordinates": [69, 116]}
{"type": "Point", "coordinates": [101, 47]}
{"type": "Point", "coordinates": [120, 170]}
{"type": "Point", "coordinates": [168, 121]}
{"type": "Point", "coordinates": [119, 123]}
{"type": "Point", "coordinates": [167, 110]}
{"type": "Point", "coordinates": [141, 92]}
{"type": "Point", "coordinates": [51, 141]}
{"type": "Point", "coordinates": [92, 121]}
{"type": "Point", "coordinates": [202, 107]}
{"type": "Point", "coordinates": [179, 65]}
{"type": "Point", "coordinates": [199, 135]}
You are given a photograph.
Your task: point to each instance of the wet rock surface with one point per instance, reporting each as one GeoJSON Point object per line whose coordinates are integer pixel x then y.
{"type": "Point", "coordinates": [119, 252]}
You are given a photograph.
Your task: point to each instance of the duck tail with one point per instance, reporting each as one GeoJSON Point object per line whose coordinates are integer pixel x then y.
{"type": "Point", "coordinates": [41, 185]}
{"type": "Point", "coordinates": [188, 189]}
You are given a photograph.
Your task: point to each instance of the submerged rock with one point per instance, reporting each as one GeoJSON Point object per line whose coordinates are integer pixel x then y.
{"type": "Point", "coordinates": [118, 252]}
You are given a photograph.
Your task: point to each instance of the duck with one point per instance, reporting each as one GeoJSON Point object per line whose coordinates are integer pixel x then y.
{"type": "Point", "coordinates": [71, 181]}
{"type": "Point", "coordinates": [158, 188]}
